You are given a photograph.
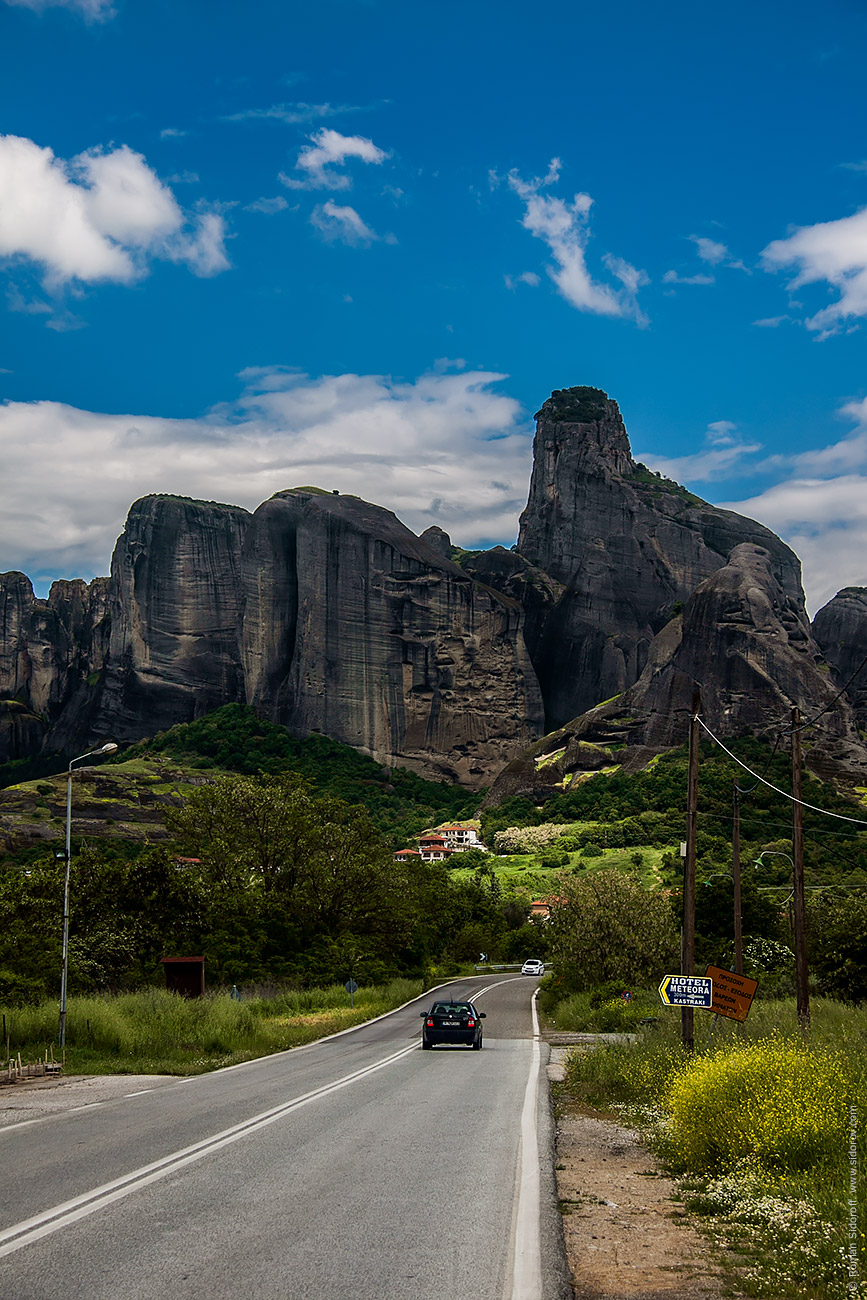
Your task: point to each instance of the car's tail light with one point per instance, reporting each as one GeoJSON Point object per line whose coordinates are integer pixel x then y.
{"type": "Point", "coordinates": [429, 1022]}
{"type": "Point", "coordinates": [471, 1024]}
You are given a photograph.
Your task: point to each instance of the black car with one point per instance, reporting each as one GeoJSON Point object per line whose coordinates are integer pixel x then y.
{"type": "Point", "coordinates": [452, 1022]}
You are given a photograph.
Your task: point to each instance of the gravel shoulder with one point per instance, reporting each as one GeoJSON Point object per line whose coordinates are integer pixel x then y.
{"type": "Point", "coordinates": [624, 1233]}
{"type": "Point", "coordinates": [32, 1099]}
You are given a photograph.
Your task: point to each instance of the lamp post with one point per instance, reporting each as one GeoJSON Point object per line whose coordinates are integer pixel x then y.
{"type": "Point", "coordinates": [108, 748]}
{"type": "Point", "coordinates": [802, 986]}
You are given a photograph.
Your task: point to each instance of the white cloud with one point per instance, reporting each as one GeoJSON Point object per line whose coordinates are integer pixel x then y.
{"type": "Point", "coordinates": [771, 322]}
{"type": "Point", "coordinates": [184, 178]}
{"type": "Point", "coordinates": [172, 133]}
{"type": "Point", "coordinates": [709, 250]}
{"type": "Point", "coordinates": [291, 114]}
{"type": "Point", "coordinates": [99, 217]}
{"type": "Point", "coordinates": [318, 161]}
{"type": "Point", "coordinates": [341, 223]}
{"type": "Point", "coordinates": [526, 277]}
{"type": "Point", "coordinates": [447, 448]}
{"type": "Point", "coordinates": [825, 523]}
{"type": "Point", "coordinates": [92, 11]}
{"type": "Point", "coordinates": [268, 206]}
{"type": "Point", "coordinates": [723, 455]}
{"type": "Point", "coordinates": [564, 227]}
{"type": "Point", "coordinates": [834, 252]}
{"type": "Point", "coordinates": [672, 277]}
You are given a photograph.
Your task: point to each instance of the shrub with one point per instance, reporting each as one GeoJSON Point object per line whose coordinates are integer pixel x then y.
{"type": "Point", "coordinates": [774, 1101]}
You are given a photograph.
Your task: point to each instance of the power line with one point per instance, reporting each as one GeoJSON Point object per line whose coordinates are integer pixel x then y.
{"type": "Point", "coordinates": [859, 821]}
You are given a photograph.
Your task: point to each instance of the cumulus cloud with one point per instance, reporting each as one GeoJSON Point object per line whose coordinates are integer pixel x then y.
{"type": "Point", "coordinates": [446, 448]}
{"type": "Point", "coordinates": [268, 206]}
{"type": "Point", "coordinates": [92, 11]}
{"type": "Point", "coordinates": [672, 277]}
{"type": "Point", "coordinates": [335, 222]}
{"type": "Point", "coordinates": [820, 509]}
{"type": "Point", "coordinates": [526, 277]}
{"type": "Point", "coordinates": [319, 161]}
{"type": "Point", "coordinates": [825, 523]}
{"type": "Point", "coordinates": [564, 227]}
{"type": "Point", "coordinates": [724, 453]}
{"type": "Point", "coordinates": [101, 216]}
{"type": "Point", "coordinates": [833, 252]}
{"type": "Point", "coordinates": [709, 250]}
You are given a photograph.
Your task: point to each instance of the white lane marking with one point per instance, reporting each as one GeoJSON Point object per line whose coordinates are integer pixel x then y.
{"type": "Point", "coordinates": [257, 1060]}
{"type": "Point", "coordinates": [61, 1216]}
{"type": "Point", "coordinates": [527, 1261]}
{"type": "Point", "coordinates": [141, 1092]}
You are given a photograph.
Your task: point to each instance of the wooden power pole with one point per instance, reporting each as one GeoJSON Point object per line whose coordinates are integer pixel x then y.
{"type": "Point", "coordinates": [736, 877]}
{"type": "Point", "coordinates": [687, 1014]}
{"type": "Point", "coordinates": [799, 908]}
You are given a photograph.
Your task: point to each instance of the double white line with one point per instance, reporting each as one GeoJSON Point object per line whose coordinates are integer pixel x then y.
{"type": "Point", "coordinates": [61, 1216]}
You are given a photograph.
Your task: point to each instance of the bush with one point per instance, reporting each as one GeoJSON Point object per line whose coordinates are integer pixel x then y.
{"type": "Point", "coordinates": [773, 1101]}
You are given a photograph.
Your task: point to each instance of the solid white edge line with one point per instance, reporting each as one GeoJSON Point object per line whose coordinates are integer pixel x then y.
{"type": "Point", "coordinates": [60, 1216]}
{"type": "Point", "coordinates": [527, 1260]}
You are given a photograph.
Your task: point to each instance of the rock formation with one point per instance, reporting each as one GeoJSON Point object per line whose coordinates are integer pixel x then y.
{"type": "Point", "coordinates": [627, 546]}
{"type": "Point", "coordinates": [355, 627]}
{"type": "Point", "coordinates": [747, 645]}
{"type": "Point", "coordinates": [840, 630]}
{"type": "Point", "coordinates": [326, 613]}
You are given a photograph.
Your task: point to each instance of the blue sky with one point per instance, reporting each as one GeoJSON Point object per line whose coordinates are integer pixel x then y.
{"type": "Point", "coordinates": [249, 247]}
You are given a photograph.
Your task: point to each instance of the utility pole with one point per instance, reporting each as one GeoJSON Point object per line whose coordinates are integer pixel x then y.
{"type": "Point", "coordinates": [736, 877]}
{"type": "Point", "coordinates": [687, 1014]}
{"type": "Point", "coordinates": [799, 926]}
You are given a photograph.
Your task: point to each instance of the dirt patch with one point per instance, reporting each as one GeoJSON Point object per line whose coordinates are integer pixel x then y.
{"type": "Point", "coordinates": [31, 1099]}
{"type": "Point", "coordinates": [625, 1236]}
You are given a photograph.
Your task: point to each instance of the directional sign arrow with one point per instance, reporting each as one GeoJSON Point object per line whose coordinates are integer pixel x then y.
{"type": "Point", "coordinates": [686, 991]}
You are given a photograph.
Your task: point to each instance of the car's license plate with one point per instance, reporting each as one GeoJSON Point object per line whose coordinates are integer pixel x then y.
{"type": "Point", "coordinates": [451, 1024]}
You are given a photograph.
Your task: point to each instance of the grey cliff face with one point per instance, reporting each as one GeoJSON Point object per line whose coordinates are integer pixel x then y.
{"type": "Point", "coordinates": [326, 613]}
{"type": "Point", "coordinates": [840, 630]}
{"type": "Point", "coordinates": [47, 650]}
{"type": "Point", "coordinates": [355, 627]}
{"type": "Point", "coordinates": [627, 545]}
{"type": "Point", "coordinates": [746, 643]}
{"type": "Point", "coordinates": [175, 610]}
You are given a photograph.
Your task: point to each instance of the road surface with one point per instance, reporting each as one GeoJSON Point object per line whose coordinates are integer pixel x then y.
{"type": "Point", "coordinates": [358, 1168]}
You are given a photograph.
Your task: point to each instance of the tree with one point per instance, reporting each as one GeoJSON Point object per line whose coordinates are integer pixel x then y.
{"type": "Point", "coordinates": [608, 927]}
{"type": "Point", "coordinates": [837, 944]}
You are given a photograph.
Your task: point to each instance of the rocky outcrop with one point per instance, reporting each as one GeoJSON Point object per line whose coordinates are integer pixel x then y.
{"type": "Point", "coordinates": [747, 645]}
{"type": "Point", "coordinates": [48, 650]}
{"type": "Point", "coordinates": [325, 613]}
{"type": "Point", "coordinates": [840, 630]}
{"type": "Point", "coordinates": [628, 547]}
{"type": "Point", "coordinates": [355, 627]}
{"type": "Point", "coordinates": [175, 612]}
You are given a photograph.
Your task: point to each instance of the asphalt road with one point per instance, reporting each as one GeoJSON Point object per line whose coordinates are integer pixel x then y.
{"type": "Point", "coordinates": [359, 1168]}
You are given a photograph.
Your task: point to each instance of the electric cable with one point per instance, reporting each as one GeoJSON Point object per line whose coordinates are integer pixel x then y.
{"type": "Point", "coordinates": [859, 821]}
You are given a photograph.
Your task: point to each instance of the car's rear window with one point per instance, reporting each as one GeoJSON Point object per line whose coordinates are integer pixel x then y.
{"type": "Point", "coordinates": [450, 1009]}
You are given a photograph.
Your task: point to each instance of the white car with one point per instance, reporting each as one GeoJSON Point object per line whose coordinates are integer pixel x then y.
{"type": "Point", "coordinates": [532, 966]}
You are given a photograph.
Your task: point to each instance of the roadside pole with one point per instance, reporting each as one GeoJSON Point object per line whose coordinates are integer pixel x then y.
{"type": "Point", "coordinates": [736, 877]}
{"type": "Point", "coordinates": [799, 908]}
{"type": "Point", "coordinates": [687, 1014]}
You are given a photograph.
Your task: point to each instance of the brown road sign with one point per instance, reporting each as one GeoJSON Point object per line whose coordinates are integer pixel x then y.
{"type": "Point", "coordinates": [732, 994]}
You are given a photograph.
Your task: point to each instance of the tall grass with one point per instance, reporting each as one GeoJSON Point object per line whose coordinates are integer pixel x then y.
{"type": "Point", "coordinates": [156, 1032]}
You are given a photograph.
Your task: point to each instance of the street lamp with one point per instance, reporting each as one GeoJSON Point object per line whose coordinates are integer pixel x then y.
{"type": "Point", "coordinates": [108, 748]}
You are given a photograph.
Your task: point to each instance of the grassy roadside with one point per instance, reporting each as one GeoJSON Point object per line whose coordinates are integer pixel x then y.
{"type": "Point", "coordinates": [155, 1032]}
{"type": "Point", "coordinates": [766, 1131]}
